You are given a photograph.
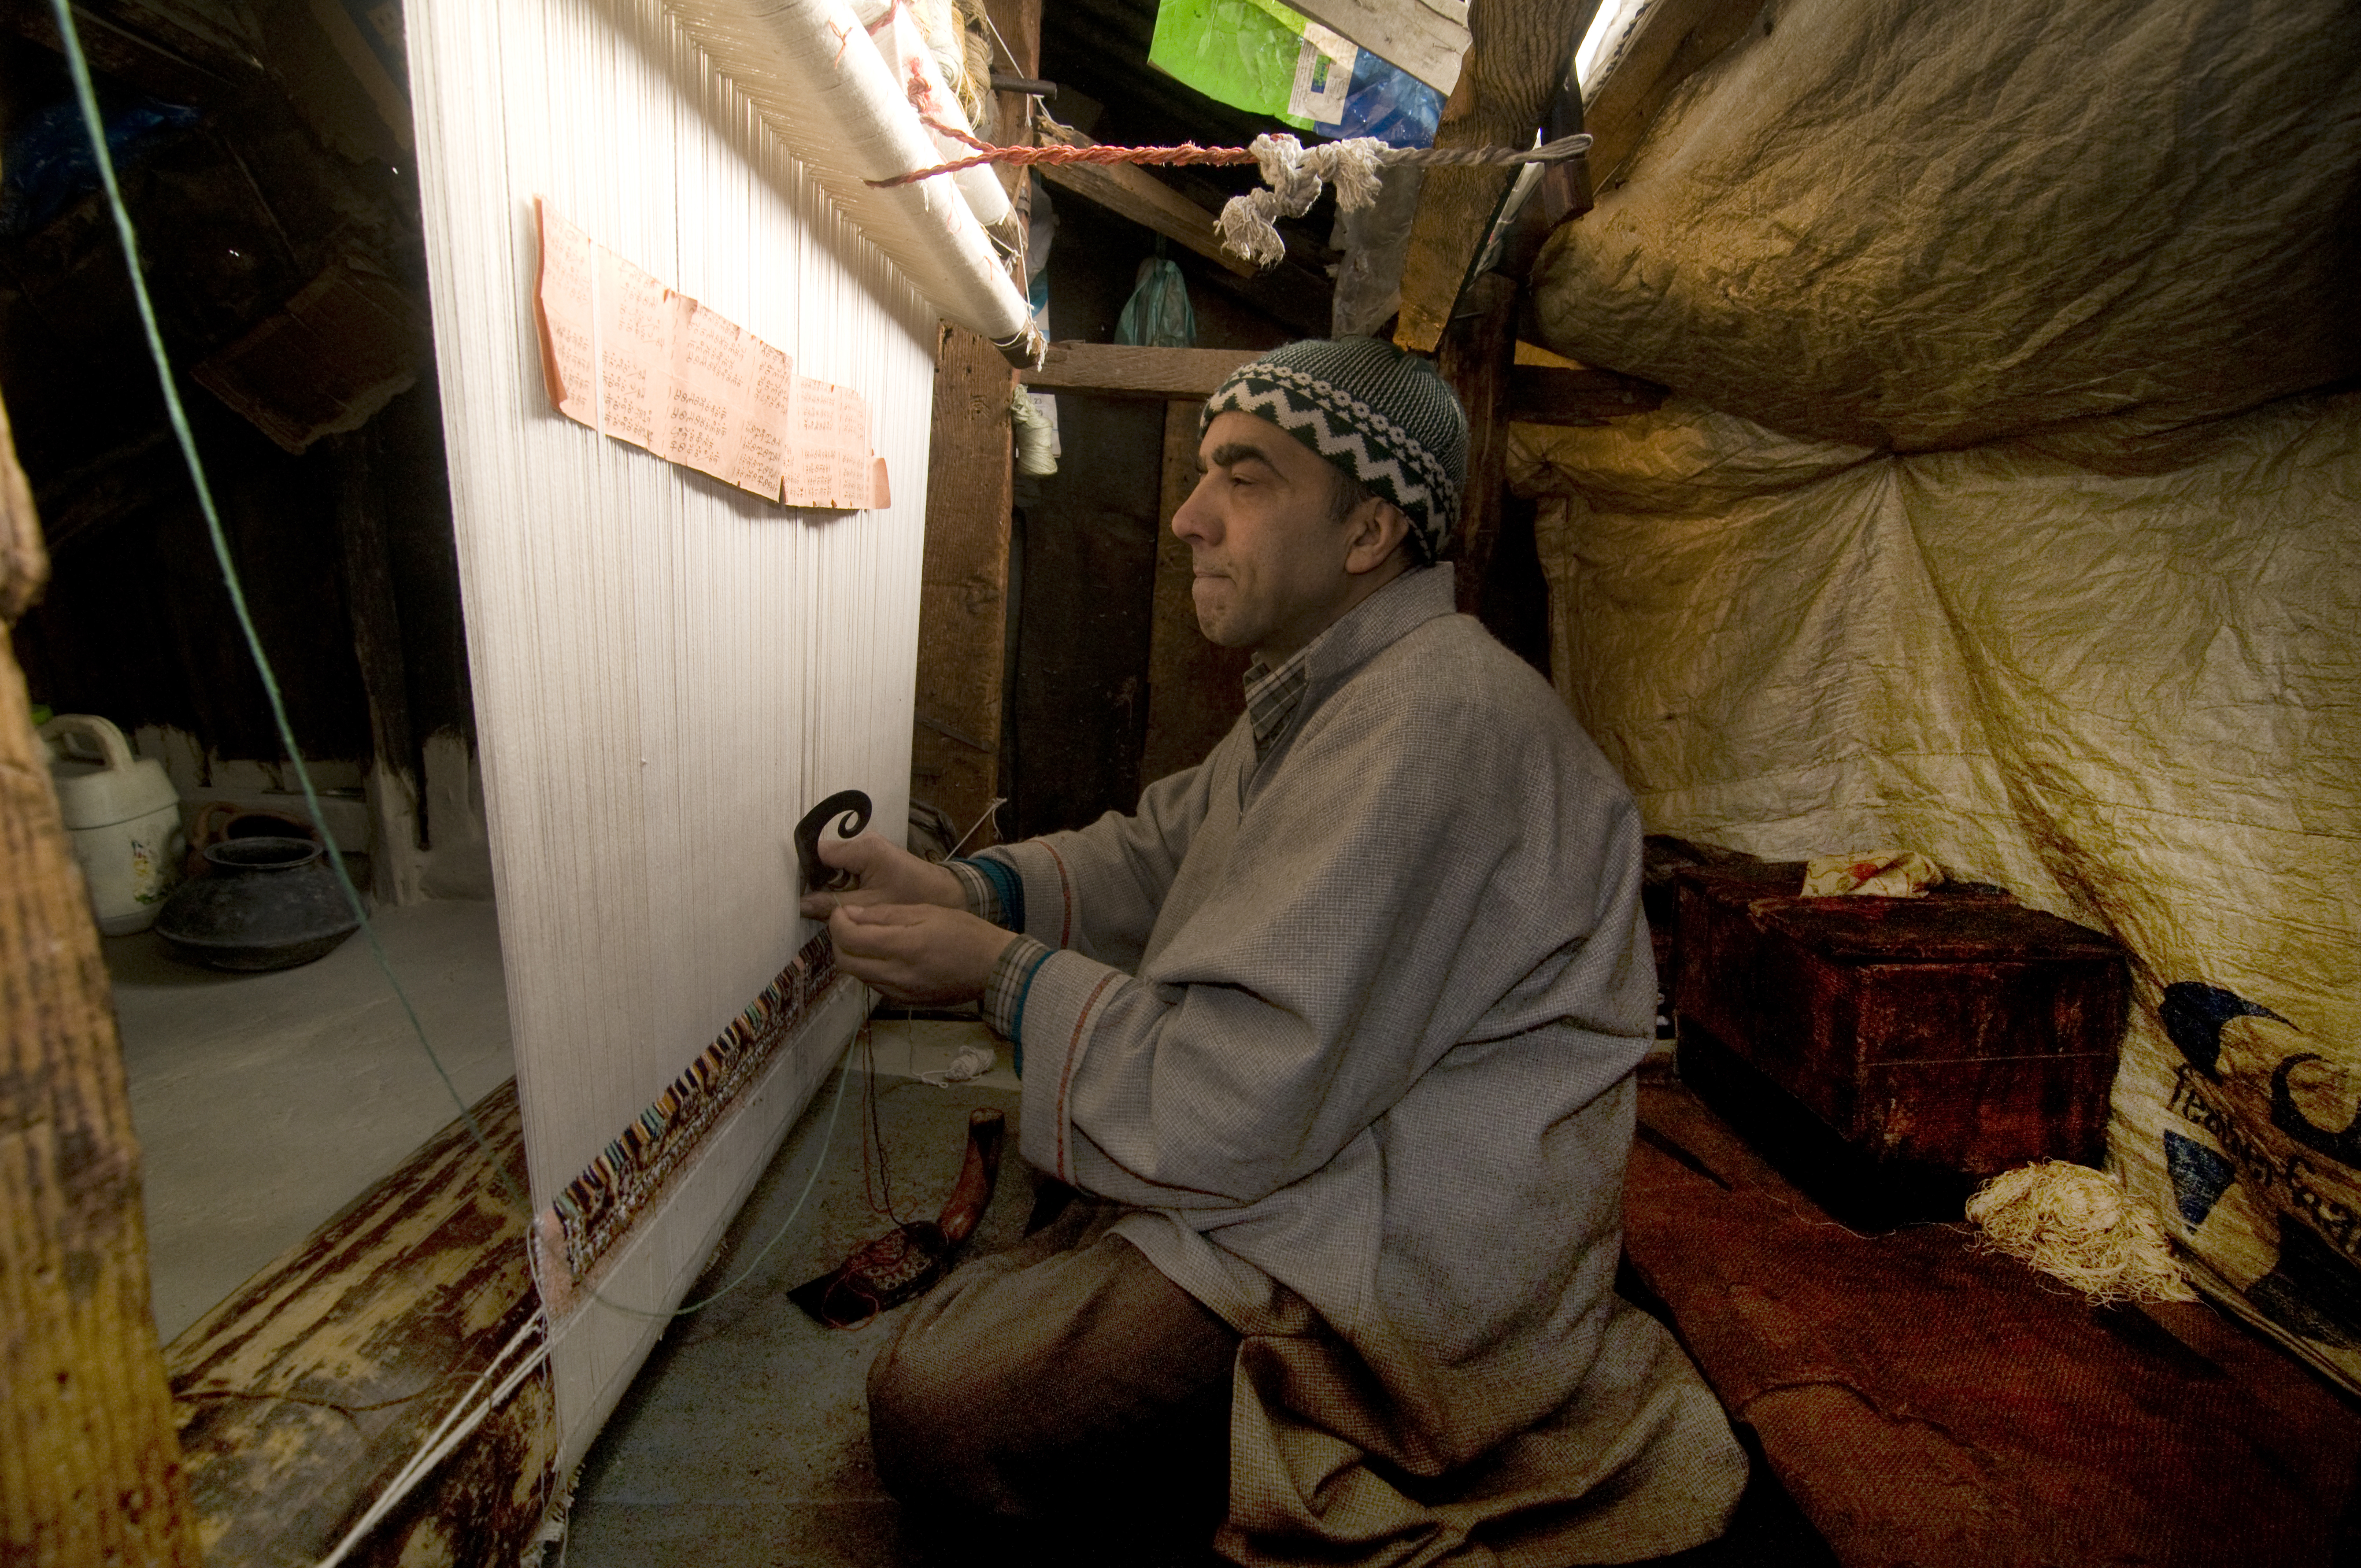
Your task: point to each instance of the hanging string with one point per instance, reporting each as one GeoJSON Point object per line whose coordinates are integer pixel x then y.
{"type": "Point", "coordinates": [827, 1142]}
{"type": "Point", "coordinates": [79, 68]}
{"type": "Point", "coordinates": [877, 1188]}
{"type": "Point", "coordinates": [87, 95]}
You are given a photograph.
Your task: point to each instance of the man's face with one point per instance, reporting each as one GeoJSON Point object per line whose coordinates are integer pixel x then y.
{"type": "Point", "coordinates": [1270, 554]}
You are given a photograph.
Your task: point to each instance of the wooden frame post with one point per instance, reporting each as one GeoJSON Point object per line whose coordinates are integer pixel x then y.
{"type": "Point", "coordinates": [1475, 357]}
{"type": "Point", "coordinates": [90, 1467]}
{"type": "Point", "coordinates": [963, 586]}
{"type": "Point", "coordinates": [1516, 69]}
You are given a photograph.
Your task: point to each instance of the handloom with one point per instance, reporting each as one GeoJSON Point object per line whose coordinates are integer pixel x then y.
{"type": "Point", "coordinates": [666, 669]}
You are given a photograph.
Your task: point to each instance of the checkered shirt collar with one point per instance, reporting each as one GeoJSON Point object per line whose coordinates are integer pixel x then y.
{"type": "Point", "coordinates": [1273, 696]}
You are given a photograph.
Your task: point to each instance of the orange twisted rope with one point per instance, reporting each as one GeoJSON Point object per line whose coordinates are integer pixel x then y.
{"type": "Point", "coordinates": [1187, 152]}
{"type": "Point", "coordinates": [1190, 152]}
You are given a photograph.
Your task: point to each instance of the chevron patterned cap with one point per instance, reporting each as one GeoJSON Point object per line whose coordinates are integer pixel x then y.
{"type": "Point", "coordinates": [1378, 413]}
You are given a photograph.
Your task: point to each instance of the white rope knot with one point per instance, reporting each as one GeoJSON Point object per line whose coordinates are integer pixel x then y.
{"type": "Point", "coordinates": [1293, 177]}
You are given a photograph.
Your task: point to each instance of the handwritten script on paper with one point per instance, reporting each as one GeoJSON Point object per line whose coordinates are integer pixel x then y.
{"type": "Point", "coordinates": [645, 364]}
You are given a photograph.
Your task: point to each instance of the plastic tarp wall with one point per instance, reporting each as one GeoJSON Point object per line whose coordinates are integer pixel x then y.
{"type": "Point", "coordinates": [2011, 512]}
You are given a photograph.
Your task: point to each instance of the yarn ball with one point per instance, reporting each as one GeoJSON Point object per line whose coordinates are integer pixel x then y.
{"type": "Point", "coordinates": [2080, 1227]}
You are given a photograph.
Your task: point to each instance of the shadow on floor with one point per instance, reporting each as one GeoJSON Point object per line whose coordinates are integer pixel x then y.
{"type": "Point", "coordinates": [743, 1442]}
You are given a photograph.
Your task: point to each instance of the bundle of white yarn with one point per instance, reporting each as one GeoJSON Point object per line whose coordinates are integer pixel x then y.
{"type": "Point", "coordinates": [2078, 1226]}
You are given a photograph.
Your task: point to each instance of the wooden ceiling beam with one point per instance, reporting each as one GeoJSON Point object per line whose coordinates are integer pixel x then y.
{"type": "Point", "coordinates": [1133, 192]}
{"type": "Point", "coordinates": [1550, 394]}
{"type": "Point", "coordinates": [1674, 39]}
{"type": "Point", "coordinates": [1515, 68]}
{"type": "Point", "coordinates": [1297, 292]}
{"type": "Point", "coordinates": [1116, 370]}
{"type": "Point", "coordinates": [1536, 394]}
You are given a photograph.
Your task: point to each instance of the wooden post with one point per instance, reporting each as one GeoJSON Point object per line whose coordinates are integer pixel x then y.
{"type": "Point", "coordinates": [396, 865]}
{"type": "Point", "coordinates": [1473, 357]}
{"type": "Point", "coordinates": [970, 488]}
{"type": "Point", "coordinates": [1194, 696]}
{"type": "Point", "coordinates": [1017, 24]}
{"type": "Point", "coordinates": [90, 1469]}
{"type": "Point", "coordinates": [963, 591]}
{"type": "Point", "coordinates": [1515, 70]}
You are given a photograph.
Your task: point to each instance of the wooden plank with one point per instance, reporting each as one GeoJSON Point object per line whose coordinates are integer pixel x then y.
{"type": "Point", "coordinates": [1017, 25]}
{"type": "Point", "coordinates": [1927, 1402]}
{"type": "Point", "coordinates": [1193, 690]}
{"type": "Point", "coordinates": [1135, 194]}
{"type": "Point", "coordinates": [1429, 40]}
{"type": "Point", "coordinates": [1563, 190]}
{"type": "Point", "coordinates": [313, 1384]}
{"type": "Point", "coordinates": [384, 663]}
{"type": "Point", "coordinates": [1549, 394]}
{"type": "Point", "coordinates": [89, 1467]}
{"type": "Point", "coordinates": [1515, 68]}
{"type": "Point", "coordinates": [964, 584]}
{"type": "Point", "coordinates": [1474, 360]}
{"type": "Point", "coordinates": [1119, 370]}
{"type": "Point", "coordinates": [1674, 39]}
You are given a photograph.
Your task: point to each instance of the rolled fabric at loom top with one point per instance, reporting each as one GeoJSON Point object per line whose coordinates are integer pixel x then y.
{"type": "Point", "coordinates": [809, 67]}
{"type": "Point", "coordinates": [892, 28]}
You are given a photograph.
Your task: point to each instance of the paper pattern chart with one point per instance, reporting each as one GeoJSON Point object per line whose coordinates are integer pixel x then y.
{"type": "Point", "coordinates": [690, 385]}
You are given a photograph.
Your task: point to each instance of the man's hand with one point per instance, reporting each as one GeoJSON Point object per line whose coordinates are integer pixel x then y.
{"type": "Point", "coordinates": [888, 873]}
{"type": "Point", "coordinates": [917, 953]}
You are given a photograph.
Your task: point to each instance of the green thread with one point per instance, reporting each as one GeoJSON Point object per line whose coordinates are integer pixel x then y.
{"type": "Point", "coordinates": [88, 97]}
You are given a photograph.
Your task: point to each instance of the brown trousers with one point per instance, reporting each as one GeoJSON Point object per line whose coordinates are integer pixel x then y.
{"type": "Point", "coordinates": [1062, 1393]}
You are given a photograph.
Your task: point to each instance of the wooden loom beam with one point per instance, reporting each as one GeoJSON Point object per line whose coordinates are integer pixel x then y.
{"type": "Point", "coordinates": [304, 1390]}
{"type": "Point", "coordinates": [89, 1471]}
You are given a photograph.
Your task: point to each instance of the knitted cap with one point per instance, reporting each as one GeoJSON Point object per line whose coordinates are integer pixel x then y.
{"type": "Point", "coordinates": [1380, 414]}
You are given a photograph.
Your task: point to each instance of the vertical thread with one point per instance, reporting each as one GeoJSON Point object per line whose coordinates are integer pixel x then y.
{"type": "Point", "coordinates": [666, 671]}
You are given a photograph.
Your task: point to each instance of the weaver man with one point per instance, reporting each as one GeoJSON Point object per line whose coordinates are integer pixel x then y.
{"type": "Point", "coordinates": [1336, 1033]}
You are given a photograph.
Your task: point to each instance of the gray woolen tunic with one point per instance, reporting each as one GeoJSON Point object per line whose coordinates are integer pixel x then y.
{"type": "Point", "coordinates": [1353, 1030]}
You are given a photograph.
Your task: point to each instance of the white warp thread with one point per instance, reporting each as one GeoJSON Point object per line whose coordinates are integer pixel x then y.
{"type": "Point", "coordinates": [667, 672]}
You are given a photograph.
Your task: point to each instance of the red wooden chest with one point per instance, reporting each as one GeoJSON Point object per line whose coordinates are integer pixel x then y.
{"type": "Point", "coordinates": [1958, 1032]}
